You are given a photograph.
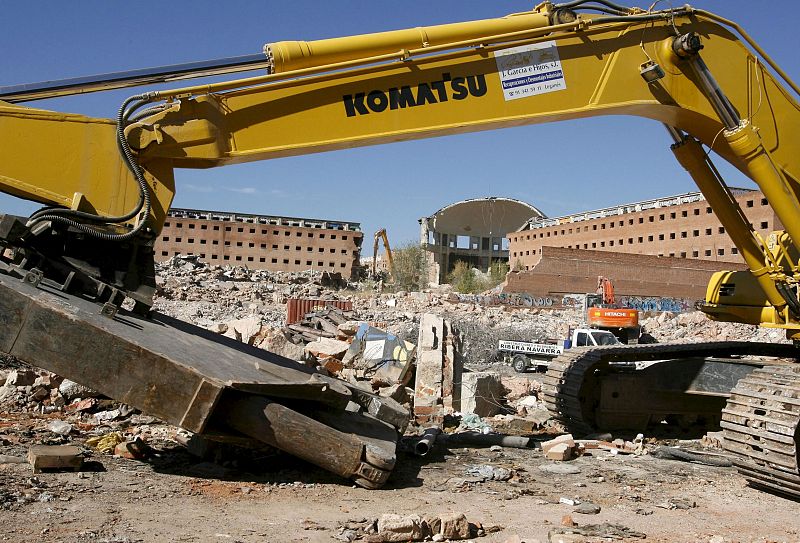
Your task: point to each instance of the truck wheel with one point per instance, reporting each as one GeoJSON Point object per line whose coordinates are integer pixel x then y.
{"type": "Point", "coordinates": [520, 363]}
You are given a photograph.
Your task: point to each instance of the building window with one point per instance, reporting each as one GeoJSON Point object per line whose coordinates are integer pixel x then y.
{"type": "Point", "coordinates": [262, 259]}
{"type": "Point", "coordinates": [594, 227]}
{"type": "Point", "coordinates": [734, 251]}
{"type": "Point", "coordinates": [180, 224]}
{"type": "Point", "coordinates": [216, 227]}
{"type": "Point", "coordinates": [238, 243]}
{"type": "Point", "coordinates": [214, 242]}
{"type": "Point", "coordinates": [748, 204]}
{"type": "Point", "coordinates": [695, 254]}
{"type": "Point", "coordinates": [649, 238]}
{"type": "Point", "coordinates": [661, 237]}
{"type": "Point", "coordinates": [164, 253]}
{"type": "Point", "coordinates": [238, 258]}
{"type": "Point", "coordinates": [708, 252]}
{"type": "Point", "coordinates": [203, 227]}
{"type": "Point", "coordinates": [202, 242]}
{"type": "Point", "coordinates": [287, 233]}
{"type": "Point", "coordinates": [227, 228]}
{"type": "Point", "coordinates": [274, 260]}
{"type": "Point", "coordinates": [249, 258]}
{"type": "Point", "coordinates": [213, 257]}
{"type": "Point", "coordinates": [602, 244]}
{"type": "Point", "coordinates": [166, 224]}
{"type": "Point", "coordinates": [683, 254]}
{"type": "Point", "coordinates": [695, 233]}
{"type": "Point", "coordinates": [763, 201]}
{"type": "Point", "coordinates": [651, 218]}
{"type": "Point", "coordinates": [345, 237]}
{"type": "Point", "coordinates": [594, 245]}
{"type": "Point", "coordinates": [191, 226]}
{"type": "Point", "coordinates": [672, 215]}
{"type": "Point", "coordinates": [641, 239]}
{"type": "Point", "coordinates": [611, 243]}
{"type": "Point", "coordinates": [333, 236]}
{"type": "Point", "coordinates": [641, 220]}
{"type": "Point", "coordinates": [764, 225]}
{"type": "Point", "coordinates": [684, 234]}
{"type": "Point", "coordinates": [672, 235]}
{"type": "Point", "coordinates": [661, 217]}
{"type": "Point", "coordinates": [684, 213]}
{"type": "Point", "coordinates": [177, 240]}
{"type": "Point", "coordinates": [697, 211]}
{"type": "Point", "coordinates": [285, 247]}
{"type": "Point", "coordinates": [226, 257]}
{"type": "Point", "coordinates": [630, 241]}
{"type": "Point", "coordinates": [721, 252]}
{"type": "Point", "coordinates": [165, 238]}
{"type": "Point", "coordinates": [285, 260]}
{"type": "Point", "coordinates": [630, 221]}
{"type": "Point", "coordinates": [240, 229]}
{"type": "Point", "coordinates": [708, 231]}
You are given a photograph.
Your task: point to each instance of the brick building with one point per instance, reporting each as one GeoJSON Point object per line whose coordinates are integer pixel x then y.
{"type": "Point", "coordinates": [559, 271]}
{"type": "Point", "coordinates": [681, 226]}
{"type": "Point", "coordinates": [262, 242]}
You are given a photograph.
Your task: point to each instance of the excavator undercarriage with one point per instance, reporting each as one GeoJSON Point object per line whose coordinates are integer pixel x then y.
{"type": "Point", "coordinates": [754, 388]}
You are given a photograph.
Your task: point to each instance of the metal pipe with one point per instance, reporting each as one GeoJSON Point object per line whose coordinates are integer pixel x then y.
{"type": "Point", "coordinates": [119, 80]}
{"type": "Point", "coordinates": [476, 439]}
{"type": "Point", "coordinates": [426, 442]}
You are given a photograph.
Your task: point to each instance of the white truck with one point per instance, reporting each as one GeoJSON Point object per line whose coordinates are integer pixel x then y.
{"type": "Point", "coordinates": [525, 355]}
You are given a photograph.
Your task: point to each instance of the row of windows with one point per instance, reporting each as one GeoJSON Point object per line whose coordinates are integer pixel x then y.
{"type": "Point", "coordinates": [682, 254]}
{"type": "Point", "coordinates": [631, 221]}
{"type": "Point", "coordinates": [253, 231]}
{"type": "Point", "coordinates": [764, 225]}
{"type": "Point", "coordinates": [239, 258]}
{"type": "Point", "coordinates": [262, 245]}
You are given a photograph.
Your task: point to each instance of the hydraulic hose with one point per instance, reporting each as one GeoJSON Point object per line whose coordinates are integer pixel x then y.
{"type": "Point", "coordinates": [69, 216]}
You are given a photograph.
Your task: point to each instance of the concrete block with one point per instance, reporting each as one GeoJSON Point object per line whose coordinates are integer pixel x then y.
{"type": "Point", "coordinates": [455, 526]}
{"type": "Point", "coordinates": [395, 528]}
{"type": "Point", "coordinates": [481, 393]}
{"type": "Point", "coordinates": [328, 348]}
{"type": "Point", "coordinates": [559, 452]}
{"type": "Point", "coordinates": [20, 378]}
{"type": "Point", "coordinates": [54, 457]}
{"type": "Point", "coordinates": [566, 438]}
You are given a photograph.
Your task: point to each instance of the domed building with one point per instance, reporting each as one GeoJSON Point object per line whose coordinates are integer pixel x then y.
{"type": "Point", "coordinates": [473, 231]}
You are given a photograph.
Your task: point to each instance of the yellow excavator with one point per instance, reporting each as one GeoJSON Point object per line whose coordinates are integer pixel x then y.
{"type": "Point", "coordinates": [106, 185]}
{"type": "Point", "coordinates": [380, 235]}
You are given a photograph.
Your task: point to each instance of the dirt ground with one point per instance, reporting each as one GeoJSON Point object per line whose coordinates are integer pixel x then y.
{"type": "Point", "coordinates": [174, 496]}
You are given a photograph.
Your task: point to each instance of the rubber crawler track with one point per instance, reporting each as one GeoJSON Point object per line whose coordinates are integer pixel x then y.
{"type": "Point", "coordinates": [760, 420]}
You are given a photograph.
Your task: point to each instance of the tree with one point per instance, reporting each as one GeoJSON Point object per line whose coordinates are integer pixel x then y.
{"type": "Point", "coordinates": [410, 267]}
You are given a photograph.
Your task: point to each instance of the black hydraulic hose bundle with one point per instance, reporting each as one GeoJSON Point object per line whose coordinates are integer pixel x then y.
{"type": "Point", "coordinates": [69, 216]}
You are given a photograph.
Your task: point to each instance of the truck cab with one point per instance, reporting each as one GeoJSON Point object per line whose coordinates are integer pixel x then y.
{"type": "Point", "coordinates": [524, 355]}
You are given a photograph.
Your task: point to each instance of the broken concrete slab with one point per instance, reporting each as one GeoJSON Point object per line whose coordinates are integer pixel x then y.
{"type": "Point", "coordinates": [21, 378]}
{"type": "Point", "coordinates": [244, 330]}
{"type": "Point", "coordinates": [438, 369]}
{"type": "Point", "coordinates": [560, 452]}
{"type": "Point", "coordinates": [327, 348]}
{"type": "Point", "coordinates": [481, 393]}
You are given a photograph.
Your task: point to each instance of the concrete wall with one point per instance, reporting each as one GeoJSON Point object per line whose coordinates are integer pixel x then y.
{"type": "Point", "coordinates": [689, 230]}
{"type": "Point", "coordinates": [265, 243]}
{"type": "Point", "coordinates": [567, 271]}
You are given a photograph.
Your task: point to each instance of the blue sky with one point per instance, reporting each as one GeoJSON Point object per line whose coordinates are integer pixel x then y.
{"type": "Point", "coordinates": [560, 168]}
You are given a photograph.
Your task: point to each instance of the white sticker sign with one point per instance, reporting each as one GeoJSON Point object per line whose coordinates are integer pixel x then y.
{"type": "Point", "coordinates": [529, 70]}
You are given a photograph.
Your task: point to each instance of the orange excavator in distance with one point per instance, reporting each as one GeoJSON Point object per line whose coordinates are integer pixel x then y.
{"type": "Point", "coordinates": [602, 312]}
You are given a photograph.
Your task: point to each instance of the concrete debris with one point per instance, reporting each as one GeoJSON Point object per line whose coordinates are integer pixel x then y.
{"type": "Point", "coordinates": [42, 457]}
{"type": "Point", "coordinates": [20, 378]}
{"type": "Point", "coordinates": [447, 527]}
{"type": "Point", "coordinates": [60, 427]}
{"type": "Point", "coordinates": [481, 393]}
{"type": "Point", "coordinates": [587, 509]}
{"type": "Point", "coordinates": [439, 367]}
{"type": "Point", "coordinates": [71, 390]}
{"type": "Point", "coordinates": [565, 534]}
{"type": "Point", "coordinates": [490, 473]}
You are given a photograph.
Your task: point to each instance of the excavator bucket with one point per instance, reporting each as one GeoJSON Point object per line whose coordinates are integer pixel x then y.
{"type": "Point", "coordinates": [205, 383]}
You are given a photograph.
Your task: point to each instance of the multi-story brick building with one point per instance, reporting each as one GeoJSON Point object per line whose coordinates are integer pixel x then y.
{"type": "Point", "coordinates": [677, 226]}
{"type": "Point", "coordinates": [262, 241]}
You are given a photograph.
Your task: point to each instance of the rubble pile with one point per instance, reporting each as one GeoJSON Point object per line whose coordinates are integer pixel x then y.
{"type": "Point", "coordinates": [694, 326]}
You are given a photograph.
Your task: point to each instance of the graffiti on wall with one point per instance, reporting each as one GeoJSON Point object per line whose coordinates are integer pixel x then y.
{"type": "Point", "coordinates": [513, 299]}
{"type": "Point", "coordinates": [651, 303]}
{"type": "Point", "coordinates": [523, 299]}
